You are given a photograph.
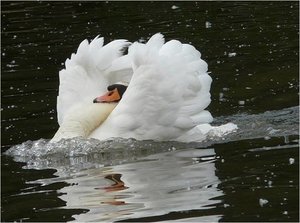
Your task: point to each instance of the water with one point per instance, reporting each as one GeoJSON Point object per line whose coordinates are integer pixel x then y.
{"type": "Point", "coordinates": [252, 53]}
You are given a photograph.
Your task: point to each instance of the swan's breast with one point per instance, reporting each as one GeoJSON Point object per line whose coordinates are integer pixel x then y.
{"type": "Point", "coordinates": [82, 120]}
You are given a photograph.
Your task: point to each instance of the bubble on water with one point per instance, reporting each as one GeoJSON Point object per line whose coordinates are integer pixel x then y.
{"type": "Point", "coordinates": [226, 205]}
{"type": "Point", "coordinates": [208, 24]}
{"type": "Point", "coordinates": [270, 183]}
{"type": "Point", "coordinates": [286, 139]}
{"type": "Point", "coordinates": [272, 130]}
{"type": "Point", "coordinates": [263, 202]}
{"type": "Point", "coordinates": [291, 161]}
{"type": "Point", "coordinates": [221, 96]}
{"type": "Point", "coordinates": [10, 126]}
{"type": "Point", "coordinates": [174, 7]}
{"type": "Point", "coordinates": [233, 54]}
{"type": "Point", "coordinates": [241, 102]}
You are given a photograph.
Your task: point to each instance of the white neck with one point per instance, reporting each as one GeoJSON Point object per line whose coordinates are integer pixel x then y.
{"type": "Point", "coordinates": [82, 120]}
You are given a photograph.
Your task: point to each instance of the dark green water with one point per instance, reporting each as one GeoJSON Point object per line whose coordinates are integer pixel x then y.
{"type": "Point", "coordinates": [252, 53]}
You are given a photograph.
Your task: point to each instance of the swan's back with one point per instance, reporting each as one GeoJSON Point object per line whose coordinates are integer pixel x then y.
{"type": "Point", "coordinates": [167, 94]}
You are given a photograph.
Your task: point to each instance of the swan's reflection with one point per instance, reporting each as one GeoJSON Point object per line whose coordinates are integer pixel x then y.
{"type": "Point", "coordinates": [162, 183]}
{"type": "Point", "coordinates": [118, 185]}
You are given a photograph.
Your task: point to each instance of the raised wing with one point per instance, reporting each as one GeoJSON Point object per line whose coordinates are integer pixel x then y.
{"type": "Point", "coordinates": [88, 72]}
{"type": "Point", "coordinates": [167, 94]}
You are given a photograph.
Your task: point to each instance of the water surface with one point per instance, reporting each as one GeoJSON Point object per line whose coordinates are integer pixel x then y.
{"type": "Point", "coordinates": [251, 175]}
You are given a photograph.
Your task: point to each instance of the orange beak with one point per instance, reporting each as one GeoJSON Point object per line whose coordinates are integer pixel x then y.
{"type": "Point", "coordinates": [111, 96]}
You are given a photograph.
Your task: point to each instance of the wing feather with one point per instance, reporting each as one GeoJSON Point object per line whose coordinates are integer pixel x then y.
{"type": "Point", "coordinates": [167, 94]}
{"type": "Point", "coordinates": [86, 73]}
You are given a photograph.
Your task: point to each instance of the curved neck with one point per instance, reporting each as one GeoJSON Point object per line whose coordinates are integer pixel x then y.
{"type": "Point", "coordinates": [82, 120]}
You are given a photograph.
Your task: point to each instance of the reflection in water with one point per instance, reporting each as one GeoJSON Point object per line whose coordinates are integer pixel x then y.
{"type": "Point", "coordinates": [182, 180]}
{"type": "Point", "coordinates": [118, 183]}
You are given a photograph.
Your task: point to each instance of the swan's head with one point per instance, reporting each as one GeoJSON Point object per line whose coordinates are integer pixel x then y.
{"type": "Point", "coordinates": [114, 94]}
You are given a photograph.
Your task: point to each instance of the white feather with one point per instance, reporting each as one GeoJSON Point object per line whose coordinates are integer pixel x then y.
{"type": "Point", "coordinates": [166, 98]}
{"type": "Point", "coordinates": [84, 77]}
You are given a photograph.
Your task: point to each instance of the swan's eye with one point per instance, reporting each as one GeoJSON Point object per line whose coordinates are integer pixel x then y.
{"type": "Point", "coordinates": [120, 88]}
{"type": "Point", "coordinates": [111, 87]}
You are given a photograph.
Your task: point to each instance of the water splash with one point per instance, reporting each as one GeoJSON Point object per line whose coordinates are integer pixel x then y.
{"type": "Point", "coordinates": [82, 153]}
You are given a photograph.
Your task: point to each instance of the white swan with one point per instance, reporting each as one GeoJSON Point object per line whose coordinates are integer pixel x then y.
{"type": "Point", "coordinates": [166, 97]}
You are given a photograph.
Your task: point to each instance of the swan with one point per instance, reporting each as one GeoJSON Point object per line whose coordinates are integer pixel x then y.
{"type": "Point", "coordinates": [158, 90]}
